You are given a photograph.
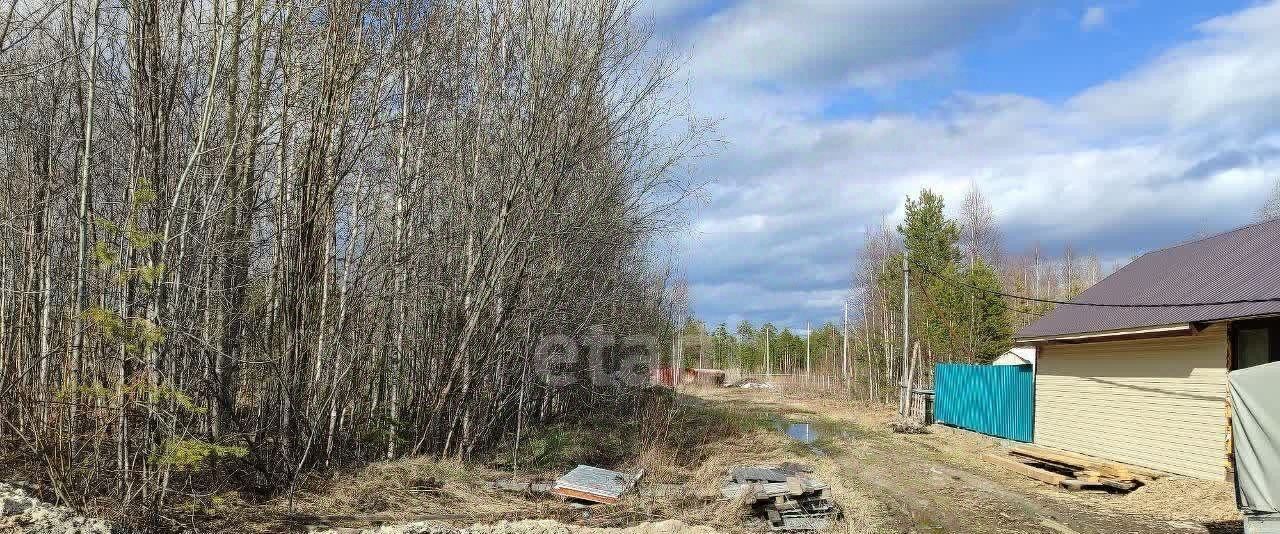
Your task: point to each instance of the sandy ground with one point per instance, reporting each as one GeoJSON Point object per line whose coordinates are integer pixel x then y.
{"type": "Point", "coordinates": [937, 482]}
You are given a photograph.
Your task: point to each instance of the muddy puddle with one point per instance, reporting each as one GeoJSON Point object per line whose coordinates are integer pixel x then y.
{"type": "Point", "coordinates": [802, 432]}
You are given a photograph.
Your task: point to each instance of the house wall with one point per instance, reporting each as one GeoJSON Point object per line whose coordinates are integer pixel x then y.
{"type": "Point", "coordinates": [1155, 403]}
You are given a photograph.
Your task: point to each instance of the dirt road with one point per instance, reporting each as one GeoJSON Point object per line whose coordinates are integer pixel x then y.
{"type": "Point", "coordinates": [937, 482]}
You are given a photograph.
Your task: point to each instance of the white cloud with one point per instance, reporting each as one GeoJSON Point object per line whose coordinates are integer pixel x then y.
{"type": "Point", "coordinates": [1224, 83]}
{"type": "Point", "coordinates": [1095, 17]}
{"type": "Point", "coordinates": [665, 9]}
{"type": "Point", "coordinates": [1185, 144]}
{"type": "Point", "coordinates": [739, 224]}
{"type": "Point", "coordinates": [824, 42]}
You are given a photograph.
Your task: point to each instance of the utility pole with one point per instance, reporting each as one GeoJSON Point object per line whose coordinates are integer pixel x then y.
{"type": "Point", "coordinates": [675, 363]}
{"type": "Point", "coordinates": [808, 333]}
{"type": "Point", "coordinates": [906, 329]}
{"type": "Point", "coordinates": [768, 366]}
{"type": "Point", "coordinates": [844, 335]}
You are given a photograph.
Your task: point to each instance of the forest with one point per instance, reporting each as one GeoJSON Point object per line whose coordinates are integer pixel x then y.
{"type": "Point", "coordinates": [246, 240]}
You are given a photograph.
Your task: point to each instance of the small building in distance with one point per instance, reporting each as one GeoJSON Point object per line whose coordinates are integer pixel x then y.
{"type": "Point", "coordinates": [1017, 356]}
{"type": "Point", "coordinates": [1147, 385]}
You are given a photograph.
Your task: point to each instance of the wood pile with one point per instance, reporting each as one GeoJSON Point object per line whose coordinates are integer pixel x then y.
{"type": "Point", "coordinates": [787, 497]}
{"type": "Point", "coordinates": [1071, 471]}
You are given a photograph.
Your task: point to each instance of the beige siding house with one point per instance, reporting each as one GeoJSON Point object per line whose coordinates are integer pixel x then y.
{"type": "Point", "coordinates": [1146, 385]}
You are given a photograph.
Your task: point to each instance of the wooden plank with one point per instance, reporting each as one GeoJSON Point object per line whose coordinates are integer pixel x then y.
{"type": "Point", "coordinates": [795, 486]}
{"type": "Point", "coordinates": [1078, 462]}
{"type": "Point", "coordinates": [1122, 485]}
{"type": "Point", "coordinates": [575, 494]}
{"type": "Point", "coordinates": [1048, 477]}
{"type": "Point", "coordinates": [1098, 485]}
{"type": "Point", "coordinates": [1050, 456]}
{"type": "Point", "coordinates": [1088, 475]}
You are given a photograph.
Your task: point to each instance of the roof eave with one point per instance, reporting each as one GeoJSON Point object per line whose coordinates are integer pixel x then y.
{"type": "Point", "coordinates": [1080, 337]}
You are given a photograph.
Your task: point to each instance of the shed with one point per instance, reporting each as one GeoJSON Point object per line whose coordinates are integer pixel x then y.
{"type": "Point", "coordinates": [1147, 385]}
{"type": "Point", "coordinates": [1017, 356]}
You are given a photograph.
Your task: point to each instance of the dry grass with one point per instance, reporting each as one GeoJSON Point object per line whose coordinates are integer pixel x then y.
{"type": "Point", "coordinates": [692, 446]}
{"type": "Point", "coordinates": [387, 488]}
{"type": "Point", "coordinates": [1179, 499]}
{"type": "Point", "coordinates": [705, 506]}
{"type": "Point", "coordinates": [400, 491]}
{"type": "Point", "coordinates": [835, 421]}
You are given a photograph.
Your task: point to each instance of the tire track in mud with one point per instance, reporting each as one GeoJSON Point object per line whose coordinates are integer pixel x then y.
{"type": "Point", "coordinates": [922, 494]}
{"type": "Point", "coordinates": [926, 496]}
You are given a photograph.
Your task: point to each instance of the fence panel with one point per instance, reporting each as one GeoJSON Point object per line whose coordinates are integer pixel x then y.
{"type": "Point", "coordinates": [996, 400]}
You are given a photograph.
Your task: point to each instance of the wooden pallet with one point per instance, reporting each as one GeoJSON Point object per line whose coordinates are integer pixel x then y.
{"type": "Point", "coordinates": [1080, 462]}
{"type": "Point", "coordinates": [1071, 472]}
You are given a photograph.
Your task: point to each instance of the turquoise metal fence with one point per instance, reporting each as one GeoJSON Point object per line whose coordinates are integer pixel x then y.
{"type": "Point", "coordinates": [997, 400]}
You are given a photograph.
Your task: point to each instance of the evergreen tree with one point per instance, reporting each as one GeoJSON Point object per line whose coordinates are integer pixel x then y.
{"type": "Point", "coordinates": [750, 346]}
{"type": "Point", "coordinates": [993, 329]}
{"type": "Point", "coordinates": [724, 348]}
{"type": "Point", "coordinates": [931, 238]}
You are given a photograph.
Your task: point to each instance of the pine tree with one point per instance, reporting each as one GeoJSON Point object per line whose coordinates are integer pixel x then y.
{"type": "Point", "coordinates": [993, 329]}
{"type": "Point", "coordinates": [931, 238]}
{"type": "Point", "coordinates": [929, 235]}
{"type": "Point", "coordinates": [750, 346]}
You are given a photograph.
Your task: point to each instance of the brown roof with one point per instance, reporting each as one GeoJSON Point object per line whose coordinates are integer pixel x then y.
{"type": "Point", "coordinates": [1243, 264]}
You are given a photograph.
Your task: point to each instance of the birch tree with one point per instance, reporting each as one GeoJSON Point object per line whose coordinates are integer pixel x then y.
{"type": "Point", "coordinates": [247, 239]}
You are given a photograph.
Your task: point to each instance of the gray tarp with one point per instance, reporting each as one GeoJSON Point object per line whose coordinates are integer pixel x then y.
{"type": "Point", "coordinates": [1255, 429]}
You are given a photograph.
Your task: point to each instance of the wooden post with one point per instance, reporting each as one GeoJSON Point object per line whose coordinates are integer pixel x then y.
{"type": "Point", "coordinates": [808, 333]}
{"type": "Point", "coordinates": [768, 366]}
{"type": "Point", "coordinates": [906, 333]}
{"type": "Point", "coordinates": [910, 380]}
{"type": "Point", "coordinates": [844, 336]}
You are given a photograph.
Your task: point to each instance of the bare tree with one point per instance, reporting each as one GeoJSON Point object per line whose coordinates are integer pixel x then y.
{"type": "Point", "coordinates": [979, 236]}
{"type": "Point", "coordinates": [244, 239]}
{"type": "Point", "coordinates": [1271, 208]}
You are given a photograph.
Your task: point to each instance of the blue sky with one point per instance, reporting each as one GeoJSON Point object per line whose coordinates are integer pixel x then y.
{"type": "Point", "coordinates": [1113, 126]}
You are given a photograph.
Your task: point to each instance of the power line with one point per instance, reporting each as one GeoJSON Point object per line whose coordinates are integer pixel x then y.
{"type": "Point", "coordinates": [995, 301]}
{"type": "Point", "coordinates": [1093, 304]}
{"type": "Point", "coordinates": [988, 298]}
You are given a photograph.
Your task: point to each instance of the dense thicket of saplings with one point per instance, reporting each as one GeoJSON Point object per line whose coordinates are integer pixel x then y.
{"type": "Point", "coordinates": [245, 239]}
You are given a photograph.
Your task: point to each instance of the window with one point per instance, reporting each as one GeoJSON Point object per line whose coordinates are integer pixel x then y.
{"type": "Point", "coordinates": [1256, 343]}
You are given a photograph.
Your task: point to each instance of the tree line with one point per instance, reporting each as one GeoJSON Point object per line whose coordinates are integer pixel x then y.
{"type": "Point", "coordinates": [762, 349]}
{"type": "Point", "coordinates": [247, 239]}
{"type": "Point", "coordinates": [957, 269]}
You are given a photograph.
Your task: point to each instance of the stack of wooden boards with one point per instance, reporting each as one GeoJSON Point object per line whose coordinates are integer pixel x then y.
{"type": "Point", "coordinates": [1073, 471]}
{"type": "Point", "coordinates": [786, 496]}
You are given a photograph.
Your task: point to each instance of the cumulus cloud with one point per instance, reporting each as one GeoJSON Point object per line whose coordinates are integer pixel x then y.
{"type": "Point", "coordinates": [1222, 84]}
{"type": "Point", "coordinates": [664, 10]}
{"type": "Point", "coordinates": [825, 42]}
{"type": "Point", "coordinates": [1185, 144]}
{"type": "Point", "coordinates": [1095, 17]}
